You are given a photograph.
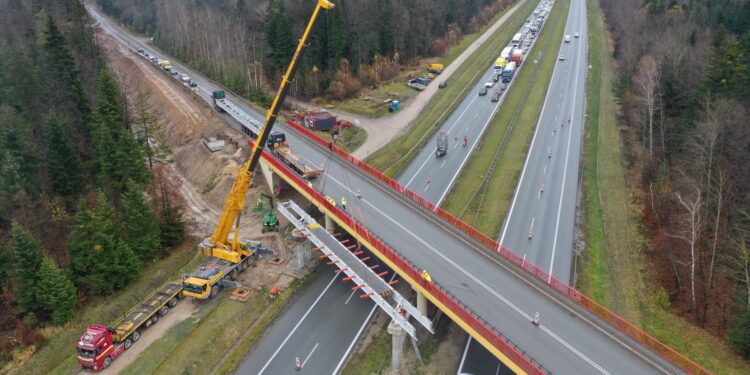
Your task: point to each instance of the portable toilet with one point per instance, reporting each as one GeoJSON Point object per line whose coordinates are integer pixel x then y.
{"type": "Point", "coordinates": [394, 105]}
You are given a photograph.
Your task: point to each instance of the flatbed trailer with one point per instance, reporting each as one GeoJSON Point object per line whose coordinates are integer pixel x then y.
{"type": "Point", "coordinates": [100, 345]}
{"type": "Point", "coordinates": [279, 146]}
{"type": "Point", "coordinates": [250, 126]}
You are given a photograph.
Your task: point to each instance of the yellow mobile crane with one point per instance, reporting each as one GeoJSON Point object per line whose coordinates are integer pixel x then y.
{"type": "Point", "coordinates": [229, 258]}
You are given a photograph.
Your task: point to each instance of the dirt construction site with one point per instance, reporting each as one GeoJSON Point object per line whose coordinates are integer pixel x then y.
{"type": "Point", "coordinates": [201, 180]}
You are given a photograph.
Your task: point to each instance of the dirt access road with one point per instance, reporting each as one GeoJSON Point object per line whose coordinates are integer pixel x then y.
{"type": "Point", "coordinates": [200, 178]}
{"type": "Point", "coordinates": [382, 130]}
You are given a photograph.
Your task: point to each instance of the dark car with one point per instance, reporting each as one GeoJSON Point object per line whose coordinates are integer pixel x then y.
{"type": "Point", "coordinates": [496, 77]}
{"type": "Point", "coordinates": [442, 85]}
{"type": "Point", "coordinates": [503, 86]}
{"type": "Point", "coordinates": [483, 91]}
{"type": "Point", "coordinates": [496, 96]}
{"type": "Point", "coordinates": [193, 83]}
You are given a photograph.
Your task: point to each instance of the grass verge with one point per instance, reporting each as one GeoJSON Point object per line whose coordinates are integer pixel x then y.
{"type": "Point", "coordinates": [375, 105]}
{"type": "Point", "coordinates": [349, 139]}
{"type": "Point", "coordinates": [489, 216]}
{"type": "Point", "coordinates": [394, 156]}
{"type": "Point", "coordinates": [58, 355]}
{"type": "Point", "coordinates": [611, 268]}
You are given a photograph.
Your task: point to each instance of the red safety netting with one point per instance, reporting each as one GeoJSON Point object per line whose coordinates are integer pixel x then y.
{"type": "Point", "coordinates": [562, 287]}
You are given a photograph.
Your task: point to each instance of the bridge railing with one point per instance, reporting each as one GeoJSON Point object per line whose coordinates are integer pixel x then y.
{"type": "Point", "coordinates": [560, 286]}
{"type": "Point", "coordinates": [409, 270]}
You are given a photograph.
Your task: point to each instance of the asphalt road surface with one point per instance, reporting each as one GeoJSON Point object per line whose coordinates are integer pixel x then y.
{"type": "Point", "coordinates": [544, 204]}
{"type": "Point", "coordinates": [569, 340]}
{"type": "Point", "coordinates": [432, 177]}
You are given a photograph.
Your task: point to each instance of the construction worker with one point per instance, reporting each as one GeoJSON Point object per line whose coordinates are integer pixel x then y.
{"type": "Point", "coordinates": [274, 293]}
{"type": "Point", "coordinates": [466, 140]}
{"type": "Point", "coordinates": [343, 203]}
{"type": "Point", "coordinates": [426, 276]}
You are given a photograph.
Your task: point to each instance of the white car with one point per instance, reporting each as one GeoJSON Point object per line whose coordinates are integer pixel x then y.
{"type": "Point", "coordinates": [577, 35]}
{"type": "Point", "coordinates": [185, 78]}
{"type": "Point", "coordinates": [561, 58]}
{"type": "Point", "coordinates": [489, 84]}
{"type": "Point", "coordinates": [567, 38]}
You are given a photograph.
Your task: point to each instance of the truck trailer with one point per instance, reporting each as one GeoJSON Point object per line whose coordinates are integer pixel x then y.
{"type": "Point", "coordinates": [100, 345]}
{"type": "Point", "coordinates": [505, 54]}
{"type": "Point", "coordinates": [279, 146]}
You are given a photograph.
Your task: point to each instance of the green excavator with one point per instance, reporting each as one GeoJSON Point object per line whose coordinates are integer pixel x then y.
{"type": "Point", "coordinates": [270, 221]}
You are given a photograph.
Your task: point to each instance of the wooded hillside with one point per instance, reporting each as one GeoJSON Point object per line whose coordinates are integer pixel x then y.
{"type": "Point", "coordinates": [684, 88]}
{"type": "Point", "coordinates": [74, 217]}
{"type": "Point", "coordinates": [245, 43]}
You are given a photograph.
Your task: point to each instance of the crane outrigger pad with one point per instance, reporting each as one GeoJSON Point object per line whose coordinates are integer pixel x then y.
{"type": "Point", "coordinates": [366, 279]}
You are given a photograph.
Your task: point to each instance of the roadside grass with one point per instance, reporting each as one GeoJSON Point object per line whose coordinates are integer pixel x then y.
{"type": "Point", "coordinates": [376, 359]}
{"type": "Point", "coordinates": [394, 156]}
{"type": "Point", "coordinates": [197, 345]}
{"type": "Point", "coordinates": [57, 356]}
{"type": "Point", "coordinates": [611, 270]}
{"type": "Point", "coordinates": [349, 139]}
{"type": "Point", "coordinates": [489, 217]}
{"type": "Point", "coordinates": [372, 102]}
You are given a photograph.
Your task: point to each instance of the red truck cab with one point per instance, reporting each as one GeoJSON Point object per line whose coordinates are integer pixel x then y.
{"type": "Point", "coordinates": [96, 351]}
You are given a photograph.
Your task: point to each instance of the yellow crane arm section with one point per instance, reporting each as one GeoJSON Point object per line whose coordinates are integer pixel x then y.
{"type": "Point", "coordinates": [218, 244]}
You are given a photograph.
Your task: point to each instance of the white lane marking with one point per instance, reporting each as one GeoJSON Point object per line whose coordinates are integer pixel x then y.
{"type": "Point", "coordinates": [469, 275]}
{"type": "Point", "coordinates": [444, 161]}
{"type": "Point", "coordinates": [427, 187]}
{"type": "Point", "coordinates": [350, 297]}
{"type": "Point", "coordinates": [532, 224]}
{"type": "Point", "coordinates": [545, 169]}
{"type": "Point", "coordinates": [528, 156]}
{"type": "Point", "coordinates": [297, 325]}
{"type": "Point", "coordinates": [463, 357]}
{"type": "Point", "coordinates": [565, 172]}
{"type": "Point", "coordinates": [429, 155]}
{"type": "Point", "coordinates": [359, 333]}
{"type": "Point", "coordinates": [311, 352]}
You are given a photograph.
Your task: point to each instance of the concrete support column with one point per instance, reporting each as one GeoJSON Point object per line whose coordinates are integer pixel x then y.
{"type": "Point", "coordinates": [421, 303]}
{"type": "Point", "coordinates": [330, 225]}
{"type": "Point", "coordinates": [271, 178]}
{"type": "Point", "coordinates": [398, 336]}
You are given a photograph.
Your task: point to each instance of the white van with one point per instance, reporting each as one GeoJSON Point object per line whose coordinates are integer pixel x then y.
{"type": "Point", "coordinates": [567, 38]}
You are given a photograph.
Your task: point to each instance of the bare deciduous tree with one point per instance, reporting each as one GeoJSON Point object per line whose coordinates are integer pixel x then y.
{"type": "Point", "coordinates": [690, 221]}
{"type": "Point", "coordinates": [647, 80]}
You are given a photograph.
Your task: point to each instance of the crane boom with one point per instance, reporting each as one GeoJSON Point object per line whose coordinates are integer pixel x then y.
{"type": "Point", "coordinates": [218, 244]}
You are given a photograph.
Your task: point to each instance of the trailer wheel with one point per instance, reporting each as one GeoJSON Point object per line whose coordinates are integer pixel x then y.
{"type": "Point", "coordinates": [214, 291]}
{"type": "Point", "coordinates": [173, 302]}
{"type": "Point", "coordinates": [180, 295]}
{"type": "Point", "coordinates": [107, 362]}
{"type": "Point", "coordinates": [136, 336]}
{"type": "Point", "coordinates": [164, 310]}
{"type": "Point", "coordinates": [233, 274]}
{"type": "Point", "coordinates": [154, 319]}
{"type": "Point", "coordinates": [128, 343]}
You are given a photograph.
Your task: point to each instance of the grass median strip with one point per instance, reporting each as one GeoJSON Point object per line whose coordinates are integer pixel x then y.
{"type": "Point", "coordinates": [392, 158]}
{"type": "Point", "coordinates": [502, 183]}
{"type": "Point", "coordinates": [611, 266]}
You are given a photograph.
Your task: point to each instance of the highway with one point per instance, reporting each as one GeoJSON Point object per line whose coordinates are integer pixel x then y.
{"type": "Point", "coordinates": [544, 203]}
{"type": "Point", "coordinates": [432, 177]}
{"type": "Point", "coordinates": [569, 340]}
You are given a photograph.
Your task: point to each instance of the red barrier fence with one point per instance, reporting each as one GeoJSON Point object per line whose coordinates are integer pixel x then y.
{"type": "Point", "coordinates": [560, 286]}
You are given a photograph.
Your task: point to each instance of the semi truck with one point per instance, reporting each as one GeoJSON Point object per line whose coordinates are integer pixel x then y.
{"type": "Point", "coordinates": [517, 56]}
{"type": "Point", "coordinates": [505, 54]}
{"type": "Point", "coordinates": [165, 64]}
{"type": "Point", "coordinates": [100, 345]}
{"type": "Point", "coordinates": [500, 64]}
{"type": "Point", "coordinates": [508, 71]}
{"type": "Point", "coordinates": [279, 146]}
{"type": "Point", "coordinates": [442, 144]}
{"type": "Point", "coordinates": [517, 39]}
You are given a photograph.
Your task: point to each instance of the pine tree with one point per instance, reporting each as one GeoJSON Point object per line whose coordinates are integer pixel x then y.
{"type": "Point", "coordinates": [62, 78]}
{"type": "Point", "coordinates": [54, 292]}
{"type": "Point", "coordinates": [278, 31]}
{"type": "Point", "coordinates": [171, 225]}
{"type": "Point", "coordinates": [62, 161]}
{"type": "Point", "coordinates": [27, 251]}
{"type": "Point", "coordinates": [100, 261]}
{"type": "Point", "coordinates": [139, 225]}
{"type": "Point", "coordinates": [6, 265]}
{"type": "Point", "coordinates": [117, 155]}
{"type": "Point", "coordinates": [739, 335]}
